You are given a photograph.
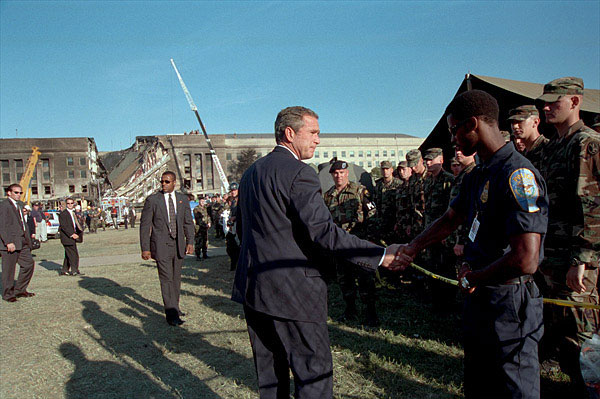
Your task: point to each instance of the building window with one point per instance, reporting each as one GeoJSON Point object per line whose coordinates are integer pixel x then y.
{"type": "Point", "coordinates": [71, 189]}
{"type": "Point", "coordinates": [228, 156]}
{"type": "Point", "coordinates": [81, 161]}
{"type": "Point", "coordinates": [45, 163]}
{"type": "Point", "coordinates": [393, 153]}
{"type": "Point", "coordinates": [6, 177]}
{"type": "Point", "coordinates": [4, 163]}
{"type": "Point", "coordinates": [19, 163]}
{"type": "Point", "coordinates": [394, 164]}
{"type": "Point", "coordinates": [316, 154]}
{"type": "Point", "coordinates": [187, 170]}
{"type": "Point", "coordinates": [47, 190]}
{"type": "Point", "coordinates": [19, 175]}
{"type": "Point", "coordinates": [83, 174]}
{"type": "Point", "coordinates": [334, 154]}
{"type": "Point", "coordinates": [361, 163]}
{"type": "Point", "coordinates": [370, 164]}
{"type": "Point", "coordinates": [385, 153]}
{"type": "Point", "coordinates": [46, 176]}
{"type": "Point", "coordinates": [400, 153]}
{"type": "Point", "coordinates": [361, 154]}
{"type": "Point", "coordinates": [187, 183]}
{"type": "Point", "coordinates": [69, 161]}
{"type": "Point", "coordinates": [84, 188]}
{"type": "Point", "coordinates": [351, 154]}
{"type": "Point", "coordinates": [325, 154]}
{"type": "Point", "coordinates": [343, 154]}
{"type": "Point", "coordinates": [368, 154]}
{"type": "Point", "coordinates": [34, 190]}
{"type": "Point", "coordinates": [377, 154]}
{"type": "Point", "coordinates": [71, 174]}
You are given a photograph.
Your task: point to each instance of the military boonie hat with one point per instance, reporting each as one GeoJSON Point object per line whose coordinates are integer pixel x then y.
{"type": "Point", "coordinates": [403, 164]}
{"type": "Point", "coordinates": [337, 165]}
{"type": "Point", "coordinates": [433, 153]}
{"type": "Point", "coordinates": [561, 87]}
{"type": "Point", "coordinates": [412, 158]}
{"type": "Point", "coordinates": [453, 161]}
{"type": "Point", "coordinates": [386, 165]}
{"type": "Point", "coordinates": [523, 112]}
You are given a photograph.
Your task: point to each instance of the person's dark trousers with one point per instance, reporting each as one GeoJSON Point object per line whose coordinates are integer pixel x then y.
{"type": "Point", "coordinates": [71, 259]}
{"type": "Point", "coordinates": [125, 221]}
{"type": "Point", "coordinates": [502, 327]}
{"type": "Point", "coordinates": [133, 222]}
{"type": "Point", "coordinates": [169, 275]}
{"type": "Point", "coordinates": [279, 345]}
{"type": "Point", "coordinates": [233, 250]}
{"type": "Point", "coordinates": [26, 265]}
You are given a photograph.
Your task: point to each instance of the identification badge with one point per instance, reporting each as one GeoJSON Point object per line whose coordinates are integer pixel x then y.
{"type": "Point", "coordinates": [474, 228]}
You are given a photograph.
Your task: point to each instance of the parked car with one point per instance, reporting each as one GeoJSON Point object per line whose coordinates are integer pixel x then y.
{"type": "Point", "coordinates": [52, 223]}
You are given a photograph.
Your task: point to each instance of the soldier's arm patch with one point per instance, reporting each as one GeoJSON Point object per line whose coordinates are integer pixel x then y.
{"type": "Point", "coordinates": [525, 189]}
{"type": "Point", "coordinates": [592, 148]}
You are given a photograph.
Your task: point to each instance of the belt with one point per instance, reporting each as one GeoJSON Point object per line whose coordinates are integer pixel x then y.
{"type": "Point", "coordinates": [519, 280]}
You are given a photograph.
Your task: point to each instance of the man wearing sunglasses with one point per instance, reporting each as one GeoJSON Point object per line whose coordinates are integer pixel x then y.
{"type": "Point", "coordinates": [71, 232]}
{"type": "Point", "coordinates": [167, 235]}
{"type": "Point", "coordinates": [504, 204]}
{"type": "Point", "coordinates": [15, 246]}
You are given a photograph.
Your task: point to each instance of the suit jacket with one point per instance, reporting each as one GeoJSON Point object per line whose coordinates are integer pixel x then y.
{"type": "Point", "coordinates": [67, 229]}
{"type": "Point", "coordinates": [284, 225]}
{"type": "Point", "coordinates": [154, 225]}
{"type": "Point", "coordinates": [11, 229]}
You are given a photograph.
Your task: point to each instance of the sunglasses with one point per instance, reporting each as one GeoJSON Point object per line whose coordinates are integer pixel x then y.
{"type": "Point", "coordinates": [18, 192]}
{"type": "Point", "coordinates": [453, 129]}
{"type": "Point", "coordinates": [165, 181]}
{"type": "Point", "coordinates": [70, 203]}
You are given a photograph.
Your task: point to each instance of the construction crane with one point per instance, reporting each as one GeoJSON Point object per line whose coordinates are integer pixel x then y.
{"type": "Point", "coordinates": [28, 174]}
{"type": "Point", "coordinates": [213, 154]}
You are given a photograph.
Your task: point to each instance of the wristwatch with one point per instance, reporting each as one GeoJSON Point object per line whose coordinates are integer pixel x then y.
{"type": "Point", "coordinates": [465, 283]}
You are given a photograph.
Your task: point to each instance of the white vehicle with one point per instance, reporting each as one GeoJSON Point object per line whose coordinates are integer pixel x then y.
{"type": "Point", "coordinates": [52, 223]}
{"type": "Point", "coordinates": [107, 204]}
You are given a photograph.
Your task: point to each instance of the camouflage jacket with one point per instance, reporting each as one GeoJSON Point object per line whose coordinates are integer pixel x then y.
{"type": "Point", "coordinates": [351, 209]}
{"type": "Point", "coordinates": [536, 152]}
{"type": "Point", "coordinates": [201, 216]}
{"type": "Point", "coordinates": [384, 198]}
{"type": "Point", "coordinates": [571, 168]}
{"type": "Point", "coordinates": [410, 204]}
{"type": "Point", "coordinates": [460, 235]}
{"type": "Point", "coordinates": [437, 194]}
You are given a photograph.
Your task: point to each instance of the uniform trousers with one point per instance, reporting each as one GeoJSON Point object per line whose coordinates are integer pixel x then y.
{"type": "Point", "coordinates": [502, 327]}
{"type": "Point", "coordinates": [26, 265]}
{"type": "Point", "coordinates": [71, 259]}
{"type": "Point", "coordinates": [279, 345]}
{"type": "Point", "coordinates": [169, 275]}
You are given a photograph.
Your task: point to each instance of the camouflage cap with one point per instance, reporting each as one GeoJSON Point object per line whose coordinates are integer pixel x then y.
{"type": "Point", "coordinates": [386, 165]}
{"type": "Point", "coordinates": [523, 112]}
{"type": "Point", "coordinates": [506, 135]}
{"type": "Point", "coordinates": [412, 158]}
{"type": "Point", "coordinates": [337, 165]}
{"type": "Point", "coordinates": [561, 87]}
{"type": "Point", "coordinates": [432, 153]}
{"type": "Point", "coordinates": [453, 161]}
{"type": "Point", "coordinates": [403, 164]}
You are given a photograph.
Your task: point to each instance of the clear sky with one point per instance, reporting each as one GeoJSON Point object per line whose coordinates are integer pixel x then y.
{"type": "Point", "coordinates": [101, 69]}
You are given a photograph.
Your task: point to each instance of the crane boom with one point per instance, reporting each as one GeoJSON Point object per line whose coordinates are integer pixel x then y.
{"type": "Point", "coordinates": [213, 154]}
{"type": "Point", "coordinates": [28, 174]}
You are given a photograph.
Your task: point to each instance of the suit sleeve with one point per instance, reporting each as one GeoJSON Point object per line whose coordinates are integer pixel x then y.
{"type": "Point", "coordinates": [4, 235]}
{"type": "Point", "coordinates": [307, 203]}
{"type": "Point", "coordinates": [188, 223]}
{"type": "Point", "coordinates": [146, 225]}
{"type": "Point", "coordinates": [65, 224]}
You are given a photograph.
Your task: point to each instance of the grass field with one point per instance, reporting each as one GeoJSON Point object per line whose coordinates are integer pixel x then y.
{"type": "Point", "coordinates": [103, 335]}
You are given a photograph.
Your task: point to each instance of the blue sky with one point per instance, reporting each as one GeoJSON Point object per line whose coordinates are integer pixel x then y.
{"type": "Point", "coordinates": [101, 69]}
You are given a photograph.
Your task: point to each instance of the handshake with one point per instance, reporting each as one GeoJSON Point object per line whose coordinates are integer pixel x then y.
{"type": "Point", "coordinates": [398, 257]}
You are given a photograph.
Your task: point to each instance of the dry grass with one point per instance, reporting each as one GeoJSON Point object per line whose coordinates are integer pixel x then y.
{"type": "Point", "coordinates": [103, 335]}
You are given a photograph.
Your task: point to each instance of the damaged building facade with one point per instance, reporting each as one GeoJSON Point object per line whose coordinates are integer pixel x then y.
{"type": "Point", "coordinates": [67, 166]}
{"type": "Point", "coordinates": [135, 172]}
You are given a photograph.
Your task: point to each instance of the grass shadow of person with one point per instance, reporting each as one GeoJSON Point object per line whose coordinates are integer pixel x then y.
{"type": "Point", "coordinates": [102, 379]}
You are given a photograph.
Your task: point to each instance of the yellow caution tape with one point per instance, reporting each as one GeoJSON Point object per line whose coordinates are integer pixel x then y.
{"type": "Point", "coordinates": [558, 302]}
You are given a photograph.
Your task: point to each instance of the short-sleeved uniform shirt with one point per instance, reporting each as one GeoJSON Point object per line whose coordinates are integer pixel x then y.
{"type": "Point", "coordinates": [507, 196]}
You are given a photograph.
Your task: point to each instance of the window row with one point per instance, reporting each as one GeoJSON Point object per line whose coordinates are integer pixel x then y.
{"type": "Point", "coordinates": [361, 154]}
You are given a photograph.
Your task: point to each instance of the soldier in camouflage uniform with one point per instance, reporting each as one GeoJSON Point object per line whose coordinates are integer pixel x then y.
{"type": "Point", "coordinates": [351, 210]}
{"type": "Point", "coordinates": [384, 198]}
{"type": "Point", "coordinates": [217, 208]}
{"type": "Point", "coordinates": [202, 219]}
{"type": "Point", "coordinates": [410, 202]}
{"type": "Point", "coordinates": [571, 167]}
{"type": "Point", "coordinates": [94, 215]}
{"type": "Point", "coordinates": [438, 257]}
{"type": "Point", "coordinates": [524, 122]}
{"type": "Point", "coordinates": [102, 218]}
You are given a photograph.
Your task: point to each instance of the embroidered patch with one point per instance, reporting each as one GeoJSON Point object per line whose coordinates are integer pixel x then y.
{"type": "Point", "coordinates": [525, 189]}
{"type": "Point", "coordinates": [592, 148]}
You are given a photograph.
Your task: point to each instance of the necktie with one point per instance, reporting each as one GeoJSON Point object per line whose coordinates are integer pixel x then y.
{"type": "Point", "coordinates": [21, 217]}
{"type": "Point", "coordinates": [172, 217]}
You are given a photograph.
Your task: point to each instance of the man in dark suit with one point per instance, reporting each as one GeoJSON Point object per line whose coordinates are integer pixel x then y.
{"type": "Point", "coordinates": [15, 246]}
{"type": "Point", "coordinates": [166, 235]}
{"type": "Point", "coordinates": [71, 232]}
{"type": "Point", "coordinates": [284, 224]}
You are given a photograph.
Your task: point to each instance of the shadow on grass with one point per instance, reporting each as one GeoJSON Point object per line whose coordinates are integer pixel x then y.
{"type": "Point", "coordinates": [140, 344]}
{"type": "Point", "coordinates": [100, 379]}
{"type": "Point", "coordinates": [49, 265]}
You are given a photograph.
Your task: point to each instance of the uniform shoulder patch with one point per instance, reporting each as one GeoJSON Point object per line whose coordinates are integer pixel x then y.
{"type": "Point", "coordinates": [525, 189]}
{"type": "Point", "coordinates": [592, 148]}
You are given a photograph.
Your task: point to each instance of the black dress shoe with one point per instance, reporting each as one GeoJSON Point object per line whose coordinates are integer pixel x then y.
{"type": "Point", "coordinates": [64, 274]}
{"type": "Point", "coordinates": [181, 314]}
{"type": "Point", "coordinates": [179, 321]}
{"type": "Point", "coordinates": [25, 295]}
{"type": "Point", "coordinates": [13, 299]}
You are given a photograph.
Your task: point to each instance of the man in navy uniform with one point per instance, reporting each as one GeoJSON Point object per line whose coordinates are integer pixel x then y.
{"type": "Point", "coordinates": [503, 203]}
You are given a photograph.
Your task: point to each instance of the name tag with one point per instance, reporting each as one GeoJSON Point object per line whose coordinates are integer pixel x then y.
{"type": "Point", "coordinates": [474, 229]}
